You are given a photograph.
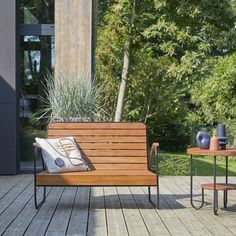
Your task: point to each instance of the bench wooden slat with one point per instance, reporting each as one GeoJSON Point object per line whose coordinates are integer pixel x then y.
{"type": "Point", "coordinates": [97, 181]}
{"type": "Point", "coordinates": [102, 132]}
{"type": "Point", "coordinates": [121, 166]}
{"type": "Point", "coordinates": [101, 172]}
{"type": "Point", "coordinates": [115, 153]}
{"type": "Point", "coordinates": [119, 160]}
{"type": "Point", "coordinates": [95, 125]}
{"type": "Point", "coordinates": [104, 139]}
{"type": "Point", "coordinates": [98, 177]}
{"type": "Point", "coordinates": [113, 146]}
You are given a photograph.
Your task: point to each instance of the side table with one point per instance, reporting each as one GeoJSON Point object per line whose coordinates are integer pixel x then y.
{"type": "Point", "coordinates": [231, 152]}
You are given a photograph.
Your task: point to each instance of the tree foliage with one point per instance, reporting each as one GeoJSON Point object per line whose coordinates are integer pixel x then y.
{"type": "Point", "coordinates": [215, 96]}
{"type": "Point", "coordinates": [172, 43]}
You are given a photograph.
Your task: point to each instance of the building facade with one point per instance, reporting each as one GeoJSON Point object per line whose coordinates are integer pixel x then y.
{"type": "Point", "coordinates": [34, 38]}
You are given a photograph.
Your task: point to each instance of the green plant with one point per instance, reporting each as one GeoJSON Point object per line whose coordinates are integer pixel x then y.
{"type": "Point", "coordinates": [70, 98]}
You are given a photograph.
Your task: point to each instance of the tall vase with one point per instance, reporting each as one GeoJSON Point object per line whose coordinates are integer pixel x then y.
{"type": "Point", "coordinates": [221, 133]}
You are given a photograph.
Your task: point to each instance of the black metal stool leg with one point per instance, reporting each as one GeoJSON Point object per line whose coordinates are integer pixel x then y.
{"type": "Point", "coordinates": [157, 178]}
{"type": "Point", "coordinates": [226, 181]}
{"type": "Point", "coordinates": [215, 198]}
{"type": "Point", "coordinates": [191, 187]}
{"type": "Point", "coordinates": [215, 202]}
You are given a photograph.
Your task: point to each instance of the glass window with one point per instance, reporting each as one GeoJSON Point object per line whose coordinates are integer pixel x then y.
{"type": "Point", "coordinates": [37, 11]}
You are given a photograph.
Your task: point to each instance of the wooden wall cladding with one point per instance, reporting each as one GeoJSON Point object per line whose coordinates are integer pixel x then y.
{"type": "Point", "coordinates": [73, 38]}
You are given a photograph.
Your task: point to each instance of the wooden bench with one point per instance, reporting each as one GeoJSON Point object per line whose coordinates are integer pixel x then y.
{"type": "Point", "coordinates": [118, 154]}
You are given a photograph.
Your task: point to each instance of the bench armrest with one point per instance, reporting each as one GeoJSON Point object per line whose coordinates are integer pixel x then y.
{"type": "Point", "coordinates": [154, 150]}
{"type": "Point", "coordinates": [37, 154]}
{"type": "Point", "coordinates": [153, 156]}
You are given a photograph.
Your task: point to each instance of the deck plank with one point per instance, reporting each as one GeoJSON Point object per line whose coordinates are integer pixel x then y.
{"type": "Point", "coordinates": [10, 196]}
{"type": "Point", "coordinates": [115, 220]}
{"type": "Point", "coordinates": [15, 208]}
{"type": "Point", "coordinates": [79, 216]}
{"type": "Point", "coordinates": [21, 222]}
{"type": "Point", "coordinates": [40, 223]}
{"type": "Point", "coordinates": [9, 182]}
{"type": "Point", "coordinates": [97, 224]}
{"type": "Point", "coordinates": [149, 213]}
{"type": "Point", "coordinates": [133, 218]}
{"type": "Point", "coordinates": [61, 217]}
{"type": "Point", "coordinates": [168, 216]}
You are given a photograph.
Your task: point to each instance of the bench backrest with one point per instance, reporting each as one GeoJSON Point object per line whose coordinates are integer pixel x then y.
{"type": "Point", "coordinates": [121, 145]}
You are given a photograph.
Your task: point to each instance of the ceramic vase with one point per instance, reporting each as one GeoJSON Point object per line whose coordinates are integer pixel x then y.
{"type": "Point", "coordinates": [221, 133]}
{"type": "Point", "coordinates": [214, 144]}
{"type": "Point", "coordinates": [203, 140]}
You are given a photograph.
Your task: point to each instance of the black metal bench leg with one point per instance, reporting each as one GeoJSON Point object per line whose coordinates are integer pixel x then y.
{"type": "Point", "coordinates": [38, 205]}
{"type": "Point", "coordinates": [38, 154]}
{"type": "Point", "coordinates": [149, 194]}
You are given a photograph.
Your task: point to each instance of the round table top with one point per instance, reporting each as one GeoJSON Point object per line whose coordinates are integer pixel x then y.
{"type": "Point", "coordinates": [207, 152]}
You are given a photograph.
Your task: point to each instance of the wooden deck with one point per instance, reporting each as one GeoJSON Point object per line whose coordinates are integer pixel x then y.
{"type": "Point", "coordinates": [112, 211]}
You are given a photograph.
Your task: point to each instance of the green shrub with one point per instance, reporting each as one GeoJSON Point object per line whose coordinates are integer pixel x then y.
{"type": "Point", "coordinates": [69, 98]}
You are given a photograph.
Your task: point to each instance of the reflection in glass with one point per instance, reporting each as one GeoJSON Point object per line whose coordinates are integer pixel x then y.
{"type": "Point", "coordinates": [36, 11]}
{"type": "Point", "coordinates": [37, 57]}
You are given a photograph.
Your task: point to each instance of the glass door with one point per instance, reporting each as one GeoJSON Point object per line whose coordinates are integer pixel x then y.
{"type": "Point", "coordinates": [36, 60]}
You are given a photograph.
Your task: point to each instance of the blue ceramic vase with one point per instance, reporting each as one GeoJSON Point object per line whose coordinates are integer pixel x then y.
{"type": "Point", "coordinates": [221, 133]}
{"type": "Point", "coordinates": [203, 139]}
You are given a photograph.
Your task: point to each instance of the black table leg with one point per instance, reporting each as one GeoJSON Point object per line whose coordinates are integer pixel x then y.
{"type": "Point", "coordinates": [191, 187]}
{"type": "Point", "coordinates": [215, 200]}
{"type": "Point", "coordinates": [226, 181]}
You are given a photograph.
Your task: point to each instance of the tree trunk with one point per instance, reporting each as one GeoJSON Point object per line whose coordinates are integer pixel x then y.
{"type": "Point", "coordinates": [125, 71]}
{"type": "Point", "coordinates": [124, 77]}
